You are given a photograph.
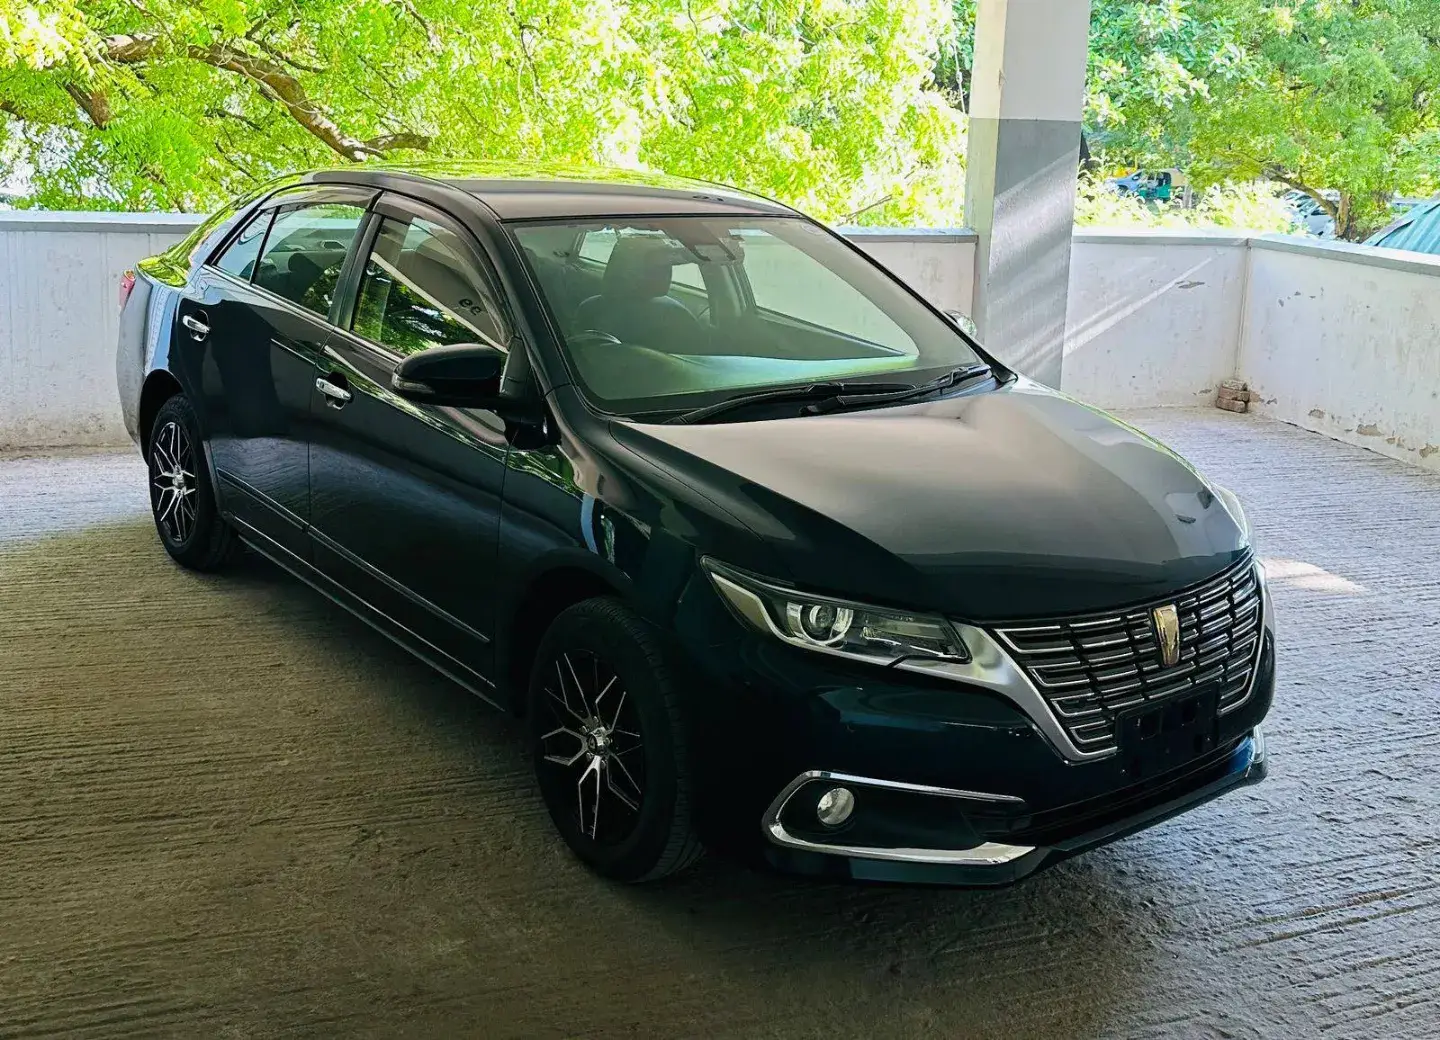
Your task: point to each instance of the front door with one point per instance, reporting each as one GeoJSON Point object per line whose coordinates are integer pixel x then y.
{"type": "Point", "coordinates": [260, 321]}
{"type": "Point", "coordinates": [405, 498]}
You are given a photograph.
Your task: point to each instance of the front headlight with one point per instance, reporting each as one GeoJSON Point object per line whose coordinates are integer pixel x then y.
{"type": "Point", "coordinates": [832, 626]}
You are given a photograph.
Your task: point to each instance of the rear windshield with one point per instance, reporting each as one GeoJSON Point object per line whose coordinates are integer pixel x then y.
{"type": "Point", "coordinates": [671, 313]}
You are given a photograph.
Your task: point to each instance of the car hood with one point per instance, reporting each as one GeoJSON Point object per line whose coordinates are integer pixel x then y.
{"type": "Point", "coordinates": [1013, 503]}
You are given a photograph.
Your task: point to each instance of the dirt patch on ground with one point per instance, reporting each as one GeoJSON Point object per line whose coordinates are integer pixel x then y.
{"type": "Point", "coordinates": [226, 809]}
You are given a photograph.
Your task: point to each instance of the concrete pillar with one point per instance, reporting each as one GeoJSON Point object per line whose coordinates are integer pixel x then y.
{"type": "Point", "coordinates": [1026, 99]}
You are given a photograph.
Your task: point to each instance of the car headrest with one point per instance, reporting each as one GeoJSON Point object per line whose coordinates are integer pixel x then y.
{"type": "Point", "coordinates": [304, 267]}
{"type": "Point", "coordinates": [639, 268]}
{"type": "Point", "coordinates": [433, 272]}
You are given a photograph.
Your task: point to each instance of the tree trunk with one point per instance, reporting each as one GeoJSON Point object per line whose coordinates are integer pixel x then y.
{"type": "Point", "coordinates": [1345, 219]}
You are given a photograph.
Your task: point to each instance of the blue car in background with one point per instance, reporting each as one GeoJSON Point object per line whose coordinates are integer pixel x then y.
{"type": "Point", "coordinates": [1418, 230]}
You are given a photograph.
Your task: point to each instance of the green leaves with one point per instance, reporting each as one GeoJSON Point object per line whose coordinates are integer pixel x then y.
{"type": "Point", "coordinates": [825, 103]}
{"type": "Point", "coordinates": [851, 109]}
{"type": "Point", "coordinates": [1317, 94]}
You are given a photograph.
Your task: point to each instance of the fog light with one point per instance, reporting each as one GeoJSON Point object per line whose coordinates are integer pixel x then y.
{"type": "Point", "coordinates": [835, 806]}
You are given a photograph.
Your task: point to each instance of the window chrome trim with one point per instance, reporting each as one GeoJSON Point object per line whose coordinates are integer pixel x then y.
{"type": "Point", "coordinates": [988, 854]}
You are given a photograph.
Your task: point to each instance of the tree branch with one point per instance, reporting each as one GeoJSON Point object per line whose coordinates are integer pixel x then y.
{"type": "Point", "coordinates": [278, 85]}
{"type": "Point", "coordinates": [126, 49]}
{"type": "Point", "coordinates": [94, 103]}
{"type": "Point", "coordinates": [274, 82]}
{"type": "Point", "coordinates": [287, 59]}
{"type": "Point", "coordinates": [403, 139]}
{"type": "Point", "coordinates": [431, 37]}
{"type": "Point", "coordinates": [1329, 207]}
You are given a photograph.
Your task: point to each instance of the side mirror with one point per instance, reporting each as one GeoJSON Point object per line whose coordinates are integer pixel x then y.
{"type": "Point", "coordinates": [461, 375]}
{"type": "Point", "coordinates": [963, 323]}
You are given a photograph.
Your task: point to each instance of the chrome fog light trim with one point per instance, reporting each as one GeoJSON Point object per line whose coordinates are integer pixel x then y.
{"type": "Point", "coordinates": [989, 854]}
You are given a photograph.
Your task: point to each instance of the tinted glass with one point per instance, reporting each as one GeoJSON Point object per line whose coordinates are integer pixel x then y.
{"type": "Point", "coordinates": [597, 245]}
{"type": "Point", "coordinates": [239, 256]}
{"type": "Point", "coordinates": [670, 313]}
{"type": "Point", "coordinates": [305, 250]}
{"type": "Point", "coordinates": [794, 284]}
{"type": "Point", "coordinates": [422, 287]}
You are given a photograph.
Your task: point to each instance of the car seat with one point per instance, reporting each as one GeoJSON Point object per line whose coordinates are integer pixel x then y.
{"type": "Point", "coordinates": [634, 304]}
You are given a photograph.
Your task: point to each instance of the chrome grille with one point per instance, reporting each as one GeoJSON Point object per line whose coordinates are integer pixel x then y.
{"type": "Point", "coordinates": [1091, 669]}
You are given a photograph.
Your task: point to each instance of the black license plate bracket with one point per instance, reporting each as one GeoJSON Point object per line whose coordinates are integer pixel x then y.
{"type": "Point", "coordinates": [1159, 737]}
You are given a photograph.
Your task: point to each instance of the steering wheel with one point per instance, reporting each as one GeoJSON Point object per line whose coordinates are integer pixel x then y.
{"type": "Point", "coordinates": [594, 336]}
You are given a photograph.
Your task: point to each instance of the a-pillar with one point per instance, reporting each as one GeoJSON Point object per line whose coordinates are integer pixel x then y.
{"type": "Point", "coordinates": [1026, 99]}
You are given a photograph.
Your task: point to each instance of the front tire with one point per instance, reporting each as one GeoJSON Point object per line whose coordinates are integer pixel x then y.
{"type": "Point", "coordinates": [609, 743]}
{"type": "Point", "coordinates": [182, 501]}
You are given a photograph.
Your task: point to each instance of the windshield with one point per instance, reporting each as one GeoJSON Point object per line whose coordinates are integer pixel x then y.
{"type": "Point", "coordinates": [672, 313]}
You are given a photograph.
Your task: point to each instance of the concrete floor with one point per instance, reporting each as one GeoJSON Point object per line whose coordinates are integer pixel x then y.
{"type": "Point", "coordinates": [226, 809]}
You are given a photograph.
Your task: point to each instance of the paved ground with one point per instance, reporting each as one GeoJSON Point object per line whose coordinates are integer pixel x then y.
{"type": "Point", "coordinates": [228, 810]}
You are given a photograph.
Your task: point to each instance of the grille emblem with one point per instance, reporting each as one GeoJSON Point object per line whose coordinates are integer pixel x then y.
{"type": "Point", "coordinates": [1167, 633]}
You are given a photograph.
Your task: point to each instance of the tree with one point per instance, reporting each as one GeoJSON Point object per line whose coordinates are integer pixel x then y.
{"type": "Point", "coordinates": [1334, 95]}
{"type": "Point", "coordinates": [178, 103]}
{"type": "Point", "coordinates": [1327, 96]}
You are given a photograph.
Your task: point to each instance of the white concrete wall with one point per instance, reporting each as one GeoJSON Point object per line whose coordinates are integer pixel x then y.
{"type": "Point", "coordinates": [59, 283]}
{"type": "Point", "coordinates": [939, 264]}
{"type": "Point", "coordinates": [1153, 317]}
{"type": "Point", "coordinates": [1345, 340]}
{"type": "Point", "coordinates": [59, 309]}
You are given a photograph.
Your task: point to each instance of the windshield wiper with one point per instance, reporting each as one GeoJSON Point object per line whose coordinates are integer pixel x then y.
{"type": "Point", "coordinates": [954, 377]}
{"type": "Point", "coordinates": [824, 391]}
{"type": "Point", "coordinates": [833, 395]}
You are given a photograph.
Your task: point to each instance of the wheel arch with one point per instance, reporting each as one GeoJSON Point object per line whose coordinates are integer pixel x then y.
{"type": "Point", "coordinates": [551, 587]}
{"type": "Point", "coordinates": [159, 386]}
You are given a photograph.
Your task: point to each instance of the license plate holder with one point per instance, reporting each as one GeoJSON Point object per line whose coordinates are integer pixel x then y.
{"type": "Point", "coordinates": [1157, 738]}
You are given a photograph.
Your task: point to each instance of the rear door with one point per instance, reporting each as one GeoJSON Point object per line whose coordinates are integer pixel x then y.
{"type": "Point", "coordinates": [255, 328]}
{"type": "Point", "coordinates": [406, 497]}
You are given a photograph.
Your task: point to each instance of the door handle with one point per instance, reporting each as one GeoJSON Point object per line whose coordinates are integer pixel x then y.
{"type": "Point", "coordinates": [198, 329]}
{"type": "Point", "coordinates": [338, 394]}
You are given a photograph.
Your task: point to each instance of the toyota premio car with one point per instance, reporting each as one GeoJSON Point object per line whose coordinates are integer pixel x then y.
{"type": "Point", "coordinates": [775, 558]}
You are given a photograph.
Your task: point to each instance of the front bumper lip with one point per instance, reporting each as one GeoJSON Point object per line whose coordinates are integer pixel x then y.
{"type": "Point", "coordinates": [988, 854]}
{"type": "Point", "coordinates": [989, 863]}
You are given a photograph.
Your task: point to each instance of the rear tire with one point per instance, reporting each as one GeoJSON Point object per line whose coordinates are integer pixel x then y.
{"type": "Point", "coordinates": [182, 500]}
{"type": "Point", "coordinates": [609, 743]}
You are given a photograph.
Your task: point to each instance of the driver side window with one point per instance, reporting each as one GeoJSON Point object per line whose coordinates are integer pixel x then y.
{"type": "Point", "coordinates": [422, 288]}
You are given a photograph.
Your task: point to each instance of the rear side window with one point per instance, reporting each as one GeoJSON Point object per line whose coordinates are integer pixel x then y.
{"type": "Point", "coordinates": [422, 288]}
{"type": "Point", "coordinates": [305, 251]}
{"type": "Point", "coordinates": [239, 256]}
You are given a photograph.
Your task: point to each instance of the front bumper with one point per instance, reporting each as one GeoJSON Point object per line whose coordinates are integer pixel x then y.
{"type": "Point", "coordinates": [992, 862]}
{"type": "Point", "coordinates": [960, 784]}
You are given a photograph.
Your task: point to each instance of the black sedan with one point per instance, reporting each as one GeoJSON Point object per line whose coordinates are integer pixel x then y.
{"type": "Point", "coordinates": [773, 556]}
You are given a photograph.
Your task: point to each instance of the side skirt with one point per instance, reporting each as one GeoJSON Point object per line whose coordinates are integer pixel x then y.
{"type": "Point", "coordinates": [381, 622]}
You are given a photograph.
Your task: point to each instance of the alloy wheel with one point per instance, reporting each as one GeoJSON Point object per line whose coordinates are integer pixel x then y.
{"type": "Point", "coordinates": [172, 482]}
{"type": "Point", "coordinates": [592, 739]}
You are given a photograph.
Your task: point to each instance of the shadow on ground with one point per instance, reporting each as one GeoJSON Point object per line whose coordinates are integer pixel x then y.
{"type": "Point", "coordinates": [233, 806]}
{"type": "Point", "coordinates": [228, 809]}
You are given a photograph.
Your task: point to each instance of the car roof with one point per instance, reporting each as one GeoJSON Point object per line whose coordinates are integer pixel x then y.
{"type": "Point", "coordinates": [526, 191]}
